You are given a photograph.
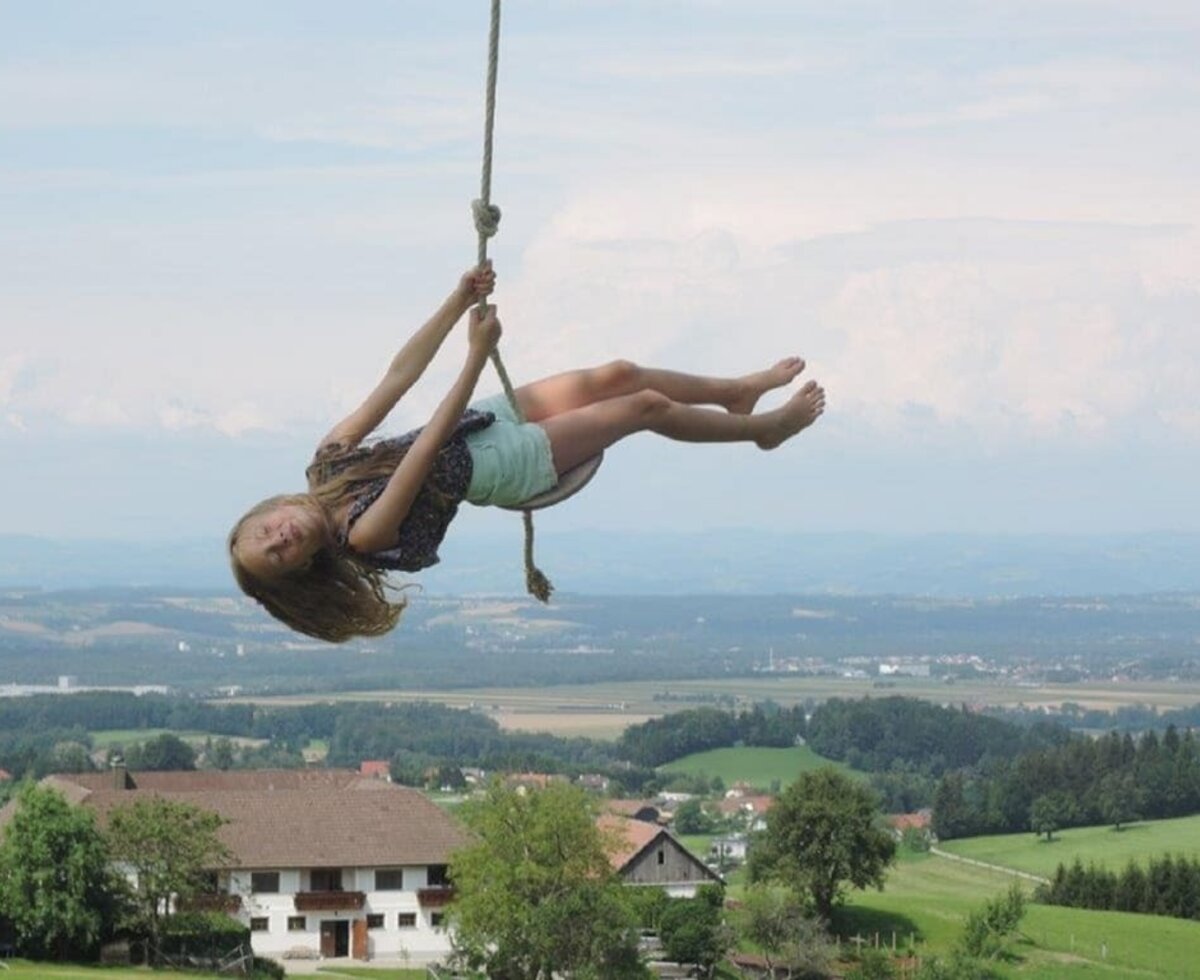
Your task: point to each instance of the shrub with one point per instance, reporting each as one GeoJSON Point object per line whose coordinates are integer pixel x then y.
{"type": "Point", "coordinates": [267, 969]}
{"type": "Point", "coordinates": [201, 934]}
{"type": "Point", "coordinates": [873, 964]}
{"type": "Point", "coordinates": [957, 967]}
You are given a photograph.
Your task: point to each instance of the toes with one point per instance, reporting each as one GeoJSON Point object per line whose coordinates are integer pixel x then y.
{"type": "Point", "coordinates": [808, 387]}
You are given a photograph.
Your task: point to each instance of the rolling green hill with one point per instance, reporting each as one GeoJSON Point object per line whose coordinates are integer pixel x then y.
{"type": "Point", "coordinates": [931, 896]}
{"type": "Point", "coordinates": [1101, 845]}
{"type": "Point", "coordinates": [757, 766]}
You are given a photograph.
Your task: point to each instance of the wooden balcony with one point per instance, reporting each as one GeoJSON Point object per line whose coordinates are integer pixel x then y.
{"type": "Point", "coordinates": [434, 898]}
{"type": "Point", "coordinates": [329, 901]}
{"type": "Point", "coordinates": [212, 903]}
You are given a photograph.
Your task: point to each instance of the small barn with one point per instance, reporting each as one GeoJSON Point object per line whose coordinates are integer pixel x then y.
{"type": "Point", "coordinates": [646, 854]}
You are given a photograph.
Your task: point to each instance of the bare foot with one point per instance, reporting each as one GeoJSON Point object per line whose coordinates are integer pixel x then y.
{"type": "Point", "coordinates": [801, 411]}
{"type": "Point", "coordinates": [749, 388]}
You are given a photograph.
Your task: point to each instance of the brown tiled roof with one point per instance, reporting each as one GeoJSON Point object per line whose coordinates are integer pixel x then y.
{"type": "Point", "coordinates": [921, 820]}
{"type": "Point", "coordinates": [5, 775]}
{"type": "Point", "coordinates": [628, 837]}
{"type": "Point", "coordinates": [629, 808]}
{"type": "Point", "coordinates": [746, 804]}
{"type": "Point", "coordinates": [292, 818]}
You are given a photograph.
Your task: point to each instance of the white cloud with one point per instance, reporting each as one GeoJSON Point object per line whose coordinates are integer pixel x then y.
{"type": "Point", "coordinates": [11, 366]}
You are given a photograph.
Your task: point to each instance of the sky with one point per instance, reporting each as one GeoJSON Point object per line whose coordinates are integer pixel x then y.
{"type": "Point", "coordinates": [977, 221]}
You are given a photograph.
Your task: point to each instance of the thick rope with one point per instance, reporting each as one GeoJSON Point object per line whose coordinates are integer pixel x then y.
{"type": "Point", "coordinates": [487, 222]}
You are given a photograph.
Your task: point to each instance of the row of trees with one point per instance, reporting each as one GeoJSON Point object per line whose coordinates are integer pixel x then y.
{"type": "Point", "coordinates": [887, 734]}
{"type": "Point", "coordinates": [60, 895]}
{"type": "Point", "coordinates": [681, 733]}
{"type": "Point", "coordinates": [1125, 718]}
{"type": "Point", "coordinates": [1165, 886]}
{"type": "Point", "coordinates": [51, 734]}
{"type": "Point", "coordinates": [1114, 779]}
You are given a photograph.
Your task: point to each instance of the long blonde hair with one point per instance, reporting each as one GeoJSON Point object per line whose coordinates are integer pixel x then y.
{"type": "Point", "coordinates": [337, 596]}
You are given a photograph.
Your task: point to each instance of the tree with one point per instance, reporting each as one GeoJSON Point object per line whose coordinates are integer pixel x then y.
{"type": "Point", "coordinates": [222, 756]}
{"type": "Point", "coordinates": [788, 938]}
{"type": "Point", "coordinates": [536, 894]}
{"type": "Point", "coordinates": [1119, 799]}
{"type": "Point", "coordinates": [690, 818]}
{"type": "Point", "coordinates": [163, 753]}
{"type": "Point", "coordinates": [988, 929]}
{"type": "Point", "coordinates": [56, 888]}
{"type": "Point", "coordinates": [822, 836]}
{"type": "Point", "coordinates": [691, 930]}
{"type": "Point", "coordinates": [1050, 812]}
{"type": "Point", "coordinates": [169, 847]}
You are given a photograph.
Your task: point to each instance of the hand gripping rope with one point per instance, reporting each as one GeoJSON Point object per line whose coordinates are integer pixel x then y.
{"type": "Point", "coordinates": [487, 222]}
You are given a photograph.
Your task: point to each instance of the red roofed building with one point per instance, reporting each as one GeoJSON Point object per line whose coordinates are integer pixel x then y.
{"type": "Point", "coordinates": [5, 775]}
{"type": "Point", "coordinates": [921, 820]}
{"type": "Point", "coordinates": [646, 854]}
{"type": "Point", "coordinates": [375, 769]}
{"type": "Point", "coordinates": [756, 805]}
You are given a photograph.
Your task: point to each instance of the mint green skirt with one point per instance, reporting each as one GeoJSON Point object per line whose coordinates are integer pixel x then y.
{"type": "Point", "coordinates": [510, 461]}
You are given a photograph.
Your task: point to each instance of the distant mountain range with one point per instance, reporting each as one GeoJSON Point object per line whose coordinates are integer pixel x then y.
{"type": "Point", "coordinates": [719, 561]}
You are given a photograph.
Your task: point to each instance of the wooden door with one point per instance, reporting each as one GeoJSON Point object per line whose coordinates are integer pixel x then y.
{"type": "Point", "coordinates": [329, 938]}
{"type": "Point", "coordinates": [359, 944]}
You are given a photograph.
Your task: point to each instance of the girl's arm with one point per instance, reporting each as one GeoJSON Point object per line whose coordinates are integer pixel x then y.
{"type": "Point", "coordinates": [376, 529]}
{"type": "Point", "coordinates": [412, 360]}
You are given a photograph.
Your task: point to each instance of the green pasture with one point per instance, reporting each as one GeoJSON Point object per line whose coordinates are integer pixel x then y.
{"type": "Point", "coordinates": [56, 971]}
{"type": "Point", "coordinates": [757, 766]}
{"type": "Point", "coordinates": [929, 897]}
{"type": "Point", "coordinates": [1101, 845]}
{"type": "Point", "coordinates": [106, 738]}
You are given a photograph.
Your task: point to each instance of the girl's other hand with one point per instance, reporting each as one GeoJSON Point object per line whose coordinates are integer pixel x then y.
{"type": "Point", "coordinates": [484, 332]}
{"type": "Point", "coordinates": [477, 283]}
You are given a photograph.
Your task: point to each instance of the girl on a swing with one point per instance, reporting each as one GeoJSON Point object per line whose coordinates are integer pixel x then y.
{"type": "Point", "coordinates": [317, 561]}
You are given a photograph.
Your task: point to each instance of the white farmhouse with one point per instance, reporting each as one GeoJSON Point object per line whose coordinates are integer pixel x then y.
{"type": "Point", "coordinates": [326, 862]}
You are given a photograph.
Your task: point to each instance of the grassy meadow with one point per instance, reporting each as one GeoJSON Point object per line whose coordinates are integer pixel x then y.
{"type": "Point", "coordinates": [1101, 845]}
{"type": "Point", "coordinates": [53, 971]}
{"type": "Point", "coordinates": [929, 897]}
{"type": "Point", "coordinates": [759, 767]}
{"type": "Point", "coordinates": [106, 738]}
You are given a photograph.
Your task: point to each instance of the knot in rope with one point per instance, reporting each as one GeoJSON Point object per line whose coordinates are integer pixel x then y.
{"type": "Point", "coordinates": [487, 218]}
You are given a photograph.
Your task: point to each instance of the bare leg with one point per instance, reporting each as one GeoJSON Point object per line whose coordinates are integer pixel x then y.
{"type": "Point", "coordinates": [578, 389]}
{"type": "Point", "coordinates": [579, 434]}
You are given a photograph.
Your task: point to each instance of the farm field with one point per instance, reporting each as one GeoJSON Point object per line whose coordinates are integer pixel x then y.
{"type": "Point", "coordinates": [604, 710]}
{"type": "Point", "coordinates": [108, 737]}
{"type": "Point", "coordinates": [930, 896]}
{"type": "Point", "coordinates": [1101, 845]}
{"type": "Point", "coordinates": [759, 767]}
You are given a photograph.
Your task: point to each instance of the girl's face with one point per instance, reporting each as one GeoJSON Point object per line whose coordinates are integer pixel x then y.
{"type": "Point", "coordinates": [283, 539]}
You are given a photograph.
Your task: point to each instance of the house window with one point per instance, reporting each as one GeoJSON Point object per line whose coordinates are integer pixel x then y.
{"type": "Point", "coordinates": [437, 876]}
{"type": "Point", "coordinates": [325, 879]}
{"type": "Point", "coordinates": [437, 919]}
{"type": "Point", "coordinates": [375, 920]}
{"type": "Point", "coordinates": [389, 880]}
{"type": "Point", "coordinates": [662, 856]}
{"type": "Point", "coordinates": [264, 882]}
{"type": "Point", "coordinates": [260, 924]}
{"type": "Point", "coordinates": [297, 923]}
{"type": "Point", "coordinates": [407, 920]}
